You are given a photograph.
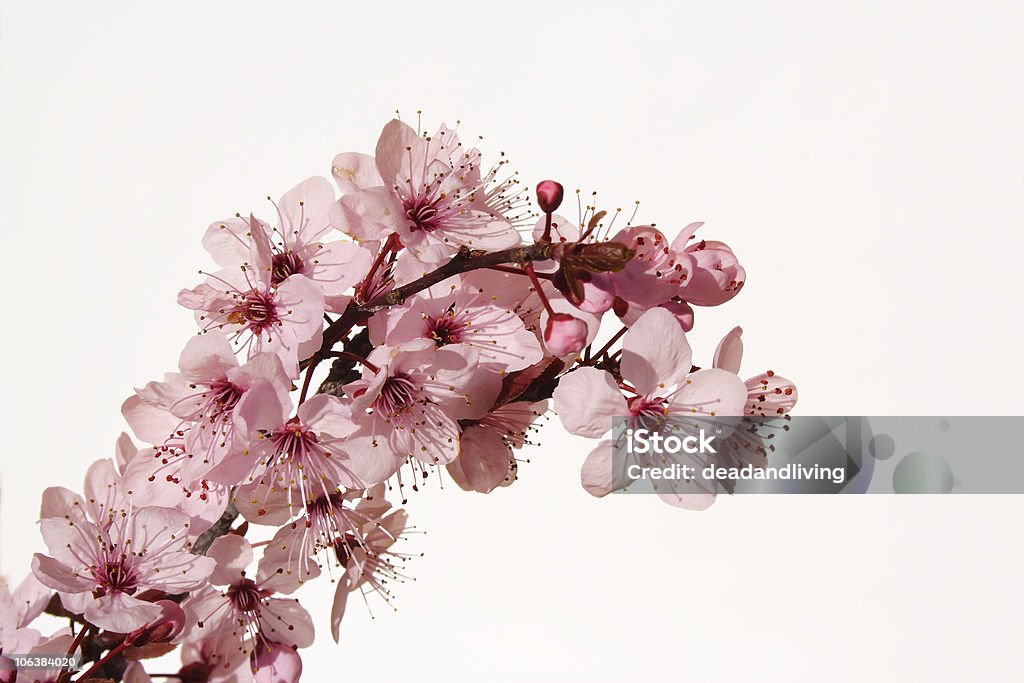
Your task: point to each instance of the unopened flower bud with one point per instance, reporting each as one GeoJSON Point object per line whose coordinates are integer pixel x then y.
{"type": "Point", "coordinates": [275, 663]}
{"type": "Point", "coordinates": [564, 334]}
{"type": "Point", "coordinates": [549, 195]}
{"type": "Point", "coordinates": [161, 630]}
{"type": "Point", "coordinates": [171, 624]}
{"type": "Point", "coordinates": [8, 672]}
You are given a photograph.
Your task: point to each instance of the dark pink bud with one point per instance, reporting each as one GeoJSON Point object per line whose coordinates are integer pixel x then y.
{"type": "Point", "coordinates": [163, 629]}
{"type": "Point", "coordinates": [171, 623]}
{"type": "Point", "coordinates": [549, 195]}
{"type": "Point", "coordinates": [564, 334]}
{"type": "Point", "coordinates": [8, 672]}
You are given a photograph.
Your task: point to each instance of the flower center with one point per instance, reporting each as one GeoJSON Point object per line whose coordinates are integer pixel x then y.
{"type": "Point", "coordinates": [423, 213]}
{"type": "Point", "coordinates": [444, 329]}
{"type": "Point", "coordinates": [295, 442]}
{"type": "Point", "coordinates": [114, 575]}
{"type": "Point", "coordinates": [255, 310]}
{"type": "Point", "coordinates": [648, 412]}
{"type": "Point", "coordinates": [223, 396]}
{"type": "Point", "coordinates": [245, 595]}
{"type": "Point", "coordinates": [396, 396]}
{"type": "Point", "coordinates": [285, 264]}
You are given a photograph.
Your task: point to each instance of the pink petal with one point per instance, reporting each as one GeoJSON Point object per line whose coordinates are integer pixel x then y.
{"type": "Point", "coordinates": [207, 357]}
{"type": "Point", "coordinates": [596, 473]}
{"type": "Point", "coordinates": [484, 461]}
{"type": "Point", "coordinates": [288, 622]}
{"type": "Point", "coordinates": [121, 613]}
{"type": "Point", "coordinates": [393, 153]}
{"type": "Point", "coordinates": [233, 555]}
{"type": "Point", "coordinates": [586, 400]}
{"type": "Point", "coordinates": [58, 576]}
{"type": "Point", "coordinates": [710, 392]}
{"type": "Point", "coordinates": [353, 171]}
{"type": "Point", "coordinates": [655, 353]}
{"type": "Point", "coordinates": [730, 351]}
{"type": "Point", "coordinates": [304, 209]}
{"type": "Point", "coordinates": [339, 604]}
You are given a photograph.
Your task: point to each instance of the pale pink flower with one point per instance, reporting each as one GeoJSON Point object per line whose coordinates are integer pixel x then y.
{"type": "Point", "coordinates": [486, 458]}
{"type": "Point", "coordinates": [306, 455]}
{"type": "Point", "coordinates": [97, 570]}
{"type": "Point", "coordinates": [18, 609]}
{"type": "Point", "coordinates": [429, 190]}
{"type": "Point", "coordinates": [298, 245]}
{"type": "Point", "coordinates": [246, 608]}
{"type": "Point", "coordinates": [717, 275]}
{"type": "Point", "coordinates": [410, 405]}
{"type": "Point", "coordinates": [462, 312]}
{"type": "Point", "coordinates": [370, 565]}
{"type": "Point", "coordinates": [199, 408]}
{"type": "Point", "coordinates": [654, 274]}
{"type": "Point", "coordinates": [258, 312]}
{"type": "Point", "coordinates": [657, 383]}
{"type": "Point", "coordinates": [768, 394]}
{"type": "Point", "coordinates": [110, 487]}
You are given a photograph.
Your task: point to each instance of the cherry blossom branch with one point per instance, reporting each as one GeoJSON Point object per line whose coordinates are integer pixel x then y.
{"type": "Point", "coordinates": [219, 528]}
{"type": "Point", "coordinates": [464, 261]}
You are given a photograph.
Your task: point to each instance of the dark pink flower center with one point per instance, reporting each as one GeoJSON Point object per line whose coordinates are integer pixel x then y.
{"type": "Point", "coordinates": [245, 596]}
{"type": "Point", "coordinates": [284, 265]}
{"type": "Point", "coordinates": [256, 310]}
{"type": "Point", "coordinates": [295, 442]}
{"type": "Point", "coordinates": [114, 574]}
{"type": "Point", "coordinates": [222, 396]}
{"type": "Point", "coordinates": [396, 396]}
{"type": "Point", "coordinates": [445, 329]}
{"type": "Point", "coordinates": [423, 213]}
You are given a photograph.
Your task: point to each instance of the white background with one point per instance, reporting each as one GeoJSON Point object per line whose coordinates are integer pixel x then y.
{"type": "Point", "coordinates": [864, 159]}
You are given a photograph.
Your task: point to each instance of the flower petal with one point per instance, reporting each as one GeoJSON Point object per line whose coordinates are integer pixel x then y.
{"type": "Point", "coordinates": [655, 353]}
{"type": "Point", "coordinates": [586, 400]}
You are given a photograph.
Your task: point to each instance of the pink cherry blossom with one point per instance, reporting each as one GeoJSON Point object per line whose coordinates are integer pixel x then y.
{"type": "Point", "coordinates": [486, 458]}
{"type": "Point", "coordinates": [657, 383]}
{"type": "Point", "coordinates": [18, 608]}
{"type": "Point", "coordinates": [199, 407]}
{"type": "Point", "coordinates": [214, 659]}
{"type": "Point", "coordinates": [462, 312]}
{"type": "Point", "coordinates": [258, 312]}
{"type": "Point", "coordinates": [653, 276]}
{"type": "Point", "coordinates": [98, 570]}
{"type": "Point", "coordinates": [429, 190]}
{"type": "Point", "coordinates": [768, 394]}
{"type": "Point", "coordinates": [370, 566]}
{"type": "Point", "coordinates": [298, 246]}
{"type": "Point", "coordinates": [108, 492]}
{"type": "Point", "coordinates": [306, 454]}
{"type": "Point", "coordinates": [409, 406]}
{"type": "Point", "coordinates": [247, 608]}
{"type": "Point", "coordinates": [717, 275]}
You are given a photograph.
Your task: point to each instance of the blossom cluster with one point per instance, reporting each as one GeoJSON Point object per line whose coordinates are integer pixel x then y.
{"type": "Point", "coordinates": [444, 310]}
